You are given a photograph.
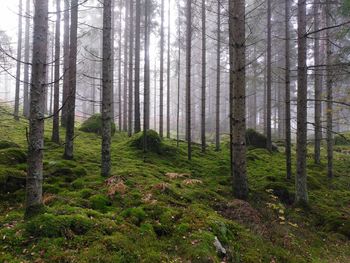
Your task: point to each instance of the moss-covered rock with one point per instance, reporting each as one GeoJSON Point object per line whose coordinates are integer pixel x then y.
{"type": "Point", "coordinates": [257, 140]}
{"type": "Point", "coordinates": [7, 144]}
{"type": "Point", "coordinates": [94, 125]}
{"type": "Point", "coordinates": [11, 156]}
{"type": "Point", "coordinates": [11, 180]}
{"type": "Point", "coordinates": [153, 141]}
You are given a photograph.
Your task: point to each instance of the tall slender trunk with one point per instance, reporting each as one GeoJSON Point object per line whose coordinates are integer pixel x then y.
{"type": "Point", "coordinates": [56, 119]}
{"type": "Point", "coordinates": [204, 77]}
{"type": "Point", "coordinates": [125, 92]}
{"type": "Point", "coordinates": [19, 56]}
{"type": "Point", "coordinates": [137, 124]}
{"type": "Point", "coordinates": [255, 90]}
{"type": "Point", "coordinates": [146, 101]}
{"type": "Point", "coordinates": [301, 179]}
{"type": "Point", "coordinates": [36, 122]}
{"type": "Point", "coordinates": [131, 69]}
{"type": "Point", "coordinates": [66, 51]}
{"type": "Point", "coordinates": [269, 78]}
{"type": "Point", "coordinates": [237, 97]}
{"type": "Point", "coordinates": [107, 88]}
{"type": "Point", "coordinates": [120, 68]}
{"type": "Point", "coordinates": [26, 60]}
{"type": "Point", "coordinates": [329, 78]}
{"type": "Point", "coordinates": [161, 76]}
{"type": "Point", "coordinates": [318, 87]}
{"type": "Point", "coordinates": [288, 135]}
{"type": "Point", "coordinates": [178, 78]}
{"type": "Point", "coordinates": [218, 76]}
{"type": "Point", "coordinates": [168, 79]}
{"type": "Point", "coordinates": [188, 77]}
{"type": "Point", "coordinates": [68, 150]}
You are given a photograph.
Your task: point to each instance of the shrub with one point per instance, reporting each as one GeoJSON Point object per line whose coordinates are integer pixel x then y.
{"type": "Point", "coordinates": [11, 156]}
{"type": "Point", "coordinates": [94, 125]}
{"type": "Point", "coordinates": [153, 141]}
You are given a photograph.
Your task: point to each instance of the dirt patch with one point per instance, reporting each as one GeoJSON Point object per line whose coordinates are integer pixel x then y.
{"type": "Point", "coordinates": [244, 213]}
{"type": "Point", "coordinates": [115, 185]}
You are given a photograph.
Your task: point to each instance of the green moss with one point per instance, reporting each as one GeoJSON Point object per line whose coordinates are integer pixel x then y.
{"type": "Point", "coordinates": [100, 203]}
{"type": "Point", "coordinates": [281, 191]}
{"type": "Point", "coordinates": [342, 139]}
{"type": "Point", "coordinates": [135, 215]}
{"type": "Point", "coordinates": [94, 125]}
{"type": "Point", "coordinates": [153, 142]}
{"type": "Point", "coordinates": [257, 140]}
{"type": "Point", "coordinates": [12, 156]}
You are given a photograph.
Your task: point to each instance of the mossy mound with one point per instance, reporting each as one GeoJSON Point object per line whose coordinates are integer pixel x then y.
{"type": "Point", "coordinates": [11, 156]}
{"type": "Point", "coordinates": [257, 140]}
{"type": "Point", "coordinates": [7, 144]}
{"type": "Point", "coordinates": [64, 169]}
{"type": "Point", "coordinates": [100, 203]}
{"type": "Point", "coordinates": [153, 141]}
{"type": "Point", "coordinates": [342, 140]}
{"type": "Point", "coordinates": [11, 180]}
{"type": "Point", "coordinates": [282, 192]}
{"type": "Point", "coordinates": [94, 125]}
{"type": "Point", "coordinates": [49, 225]}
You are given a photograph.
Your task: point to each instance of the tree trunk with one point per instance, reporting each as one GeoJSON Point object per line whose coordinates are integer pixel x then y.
{"type": "Point", "coordinates": [168, 79]}
{"type": "Point", "coordinates": [318, 88]}
{"type": "Point", "coordinates": [120, 69]}
{"type": "Point", "coordinates": [237, 97]}
{"type": "Point", "coordinates": [19, 56]}
{"type": "Point", "coordinates": [301, 194]}
{"type": "Point", "coordinates": [26, 65]}
{"type": "Point", "coordinates": [137, 125]}
{"type": "Point", "coordinates": [131, 69]}
{"type": "Point", "coordinates": [68, 150]}
{"type": "Point", "coordinates": [36, 120]}
{"type": "Point", "coordinates": [188, 76]}
{"type": "Point", "coordinates": [125, 93]}
{"type": "Point", "coordinates": [56, 118]}
{"type": "Point", "coordinates": [329, 78]}
{"type": "Point", "coordinates": [269, 79]}
{"type": "Point", "coordinates": [146, 101]}
{"type": "Point", "coordinates": [204, 79]}
{"type": "Point", "coordinates": [288, 149]}
{"type": "Point", "coordinates": [161, 76]}
{"type": "Point", "coordinates": [178, 77]}
{"type": "Point", "coordinates": [107, 92]}
{"type": "Point", "coordinates": [65, 93]}
{"type": "Point", "coordinates": [218, 76]}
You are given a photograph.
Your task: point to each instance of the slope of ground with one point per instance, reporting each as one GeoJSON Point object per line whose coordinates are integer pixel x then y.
{"type": "Point", "coordinates": [161, 208]}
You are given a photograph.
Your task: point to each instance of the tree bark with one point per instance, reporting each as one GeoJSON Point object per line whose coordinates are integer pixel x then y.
{"type": "Point", "coordinates": [301, 195]}
{"type": "Point", "coordinates": [329, 79]}
{"type": "Point", "coordinates": [26, 60]}
{"type": "Point", "coordinates": [168, 79]}
{"type": "Point", "coordinates": [66, 51]}
{"type": "Point", "coordinates": [137, 124]}
{"type": "Point", "coordinates": [146, 101]}
{"type": "Point", "coordinates": [318, 87]}
{"type": "Point", "coordinates": [288, 149]}
{"type": "Point", "coordinates": [188, 77]}
{"type": "Point", "coordinates": [269, 78]}
{"type": "Point", "coordinates": [107, 88]}
{"type": "Point", "coordinates": [120, 69]}
{"type": "Point", "coordinates": [68, 150]}
{"type": "Point", "coordinates": [161, 76]}
{"type": "Point", "coordinates": [131, 69]}
{"type": "Point", "coordinates": [56, 119]}
{"type": "Point", "coordinates": [237, 97]}
{"type": "Point", "coordinates": [218, 76]}
{"type": "Point", "coordinates": [125, 92]}
{"type": "Point", "coordinates": [204, 77]}
{"type": "Point", "coordinates": [36, 119]}
{"type": "Point", "coordinates": [19, 56]}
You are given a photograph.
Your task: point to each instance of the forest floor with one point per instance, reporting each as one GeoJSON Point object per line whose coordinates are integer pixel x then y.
{"type": "Point", "coordinates": [163, 208]}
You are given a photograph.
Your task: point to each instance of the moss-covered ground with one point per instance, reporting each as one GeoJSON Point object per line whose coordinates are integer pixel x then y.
{"type": "Point", "coordinates": [159, 207]}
